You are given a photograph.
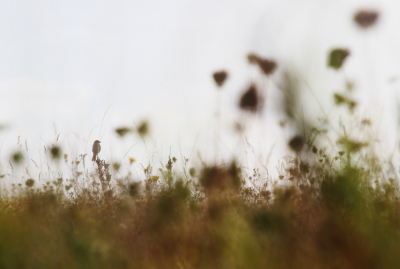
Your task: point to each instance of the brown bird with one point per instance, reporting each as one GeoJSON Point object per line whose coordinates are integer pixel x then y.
{"type": "Point", "coordinates": [96, 149]}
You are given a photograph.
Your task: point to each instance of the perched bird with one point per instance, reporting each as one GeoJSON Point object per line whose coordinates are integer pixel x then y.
{"type": "Point", "coordinates": [96, 149]}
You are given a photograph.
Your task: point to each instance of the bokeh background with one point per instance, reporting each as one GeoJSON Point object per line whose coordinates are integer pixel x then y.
{"type": "Point", "coordinates": [80, 69]}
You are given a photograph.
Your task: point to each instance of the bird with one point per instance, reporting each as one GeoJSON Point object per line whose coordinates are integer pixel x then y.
{"type": "Point", "coordinates": [96, 149]}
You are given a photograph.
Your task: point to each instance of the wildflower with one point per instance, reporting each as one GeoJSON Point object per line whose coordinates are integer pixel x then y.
{"type": "Point", "coordinates": [17, 157]}
{"type": "Point", "coordinates": [366, 18]}
{"type": "Point", "coordinates": [143, 128]}
{"type": "Point", "coordinates": [249, 100]}
{"type": "Point", "coordinates": [30, 182]}
{"type": "Point", "coordinates": [116, 166]}
{"type": "Point", "coordinates": [339, 99]}
{"type": "Point", "coordinates": [155, 178]}
{"type": "Point", "coordinates": [132, 160]}
{"type": "Point", "coordinates": [55, 152]}
{"type": "Point", "coordinates": [220, 77]}
{"type": "Point", "coordinates": [266, 65]}
{"type": "Point", "coordinates": [296, 143]}
{"type": "Point", "coordinates": [122, 131]}
{"type": "Point", "coordinates": [337, 57]}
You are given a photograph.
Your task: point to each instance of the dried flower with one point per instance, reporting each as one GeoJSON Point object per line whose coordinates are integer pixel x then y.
{"type": "Point", "coordinates": [366, 18]}
{"type": "Point", "coordinates": [296, 143]}
{"type": "Point", "coordinates": [220, 77]}
{"type": "Point", "coordinates": [29, 183]}
{"type": "Point", "coordinates": [266, 65]}
{"type": "Point", "coordinates": [249, 100]}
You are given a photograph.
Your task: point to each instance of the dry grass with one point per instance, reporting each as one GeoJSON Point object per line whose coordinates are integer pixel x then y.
{"type": "Point", "coordinates": [331, 214]}
{"type": "Point", "coordinates": [339, 207]}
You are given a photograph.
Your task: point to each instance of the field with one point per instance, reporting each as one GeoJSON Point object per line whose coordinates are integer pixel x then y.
{"type": "Point", "coordinates": [331, 213]}
{"type": "Point", "coordinates": [333, 204]}
{"type": "Point", "coordinates": [334, 207]}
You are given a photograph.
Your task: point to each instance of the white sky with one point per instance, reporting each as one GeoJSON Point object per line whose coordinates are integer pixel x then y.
{"type": "Point", "coordinates": [63, 63]}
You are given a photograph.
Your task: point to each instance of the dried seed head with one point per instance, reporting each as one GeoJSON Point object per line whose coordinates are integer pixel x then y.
{"type": "Point", "coordinates": [250, 99]}
{"type": "Point", "coordinates": [266, 65]}
{"type": "Point", "coordinates": [366, 18]}
{"type": "Point", "coordinates": [29, 183]}
{"type": "Point", "coordinates": [296, 143]}
{"type": "Point", "coordinates": [220, 77]}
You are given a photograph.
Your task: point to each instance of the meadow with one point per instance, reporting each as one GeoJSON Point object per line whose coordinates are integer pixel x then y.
{"type": "Point", "coordinates": [331, 213]}
{"type": "Point", "coordinates": [333, 205]}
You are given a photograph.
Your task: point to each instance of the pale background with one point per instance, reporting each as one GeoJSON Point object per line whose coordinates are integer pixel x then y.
{"type": "Point", "coordinates": [64, 63]}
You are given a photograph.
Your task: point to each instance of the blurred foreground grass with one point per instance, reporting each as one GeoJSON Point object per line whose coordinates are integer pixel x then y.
{"type": "Point", "coordinates": [327, 216]}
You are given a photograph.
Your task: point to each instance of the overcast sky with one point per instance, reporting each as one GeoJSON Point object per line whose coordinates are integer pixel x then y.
{"type": "Point", "coordinates": [63, 63]}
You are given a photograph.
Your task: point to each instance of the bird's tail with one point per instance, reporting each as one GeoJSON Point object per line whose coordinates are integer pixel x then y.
{"type": "Point", "coordinates": [94, 157]}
